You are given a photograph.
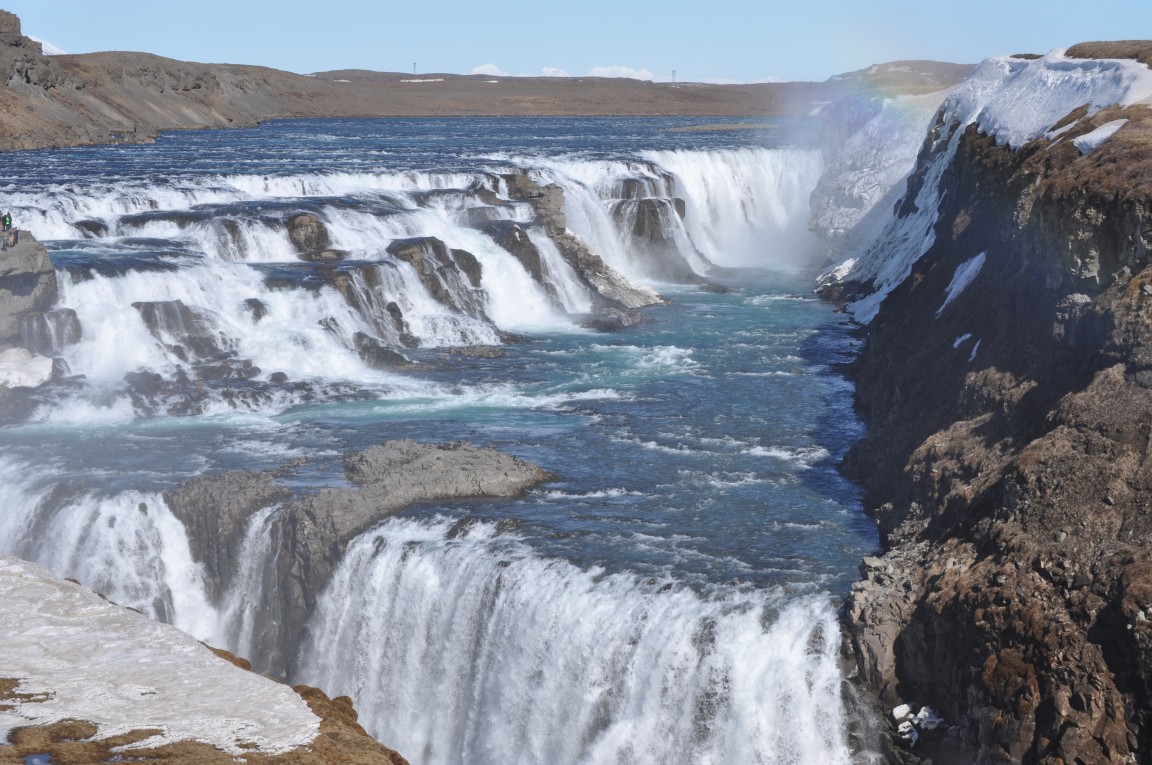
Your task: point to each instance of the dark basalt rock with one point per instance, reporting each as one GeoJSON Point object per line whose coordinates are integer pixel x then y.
{"type": "Point", "coordinates": [649, 222]}
{"type": "Point", "coordinates": [183, 331]}
{"type": "Point", "coordinates": [1010, 479]}
{"type": "Point", "coordinates": [257, 308]}
{"type": "Point", "coordinates": [512, 237]}
{"type": "Point", "coordinates": [451, 276]}
{"type": "Point", "coordinates": [50, 332]}
{"type": "Point", "coordinates": [93, 229]}
{"type": "Point", "coordinates": [609, 288]}
{"type": "Point", "coordinates": [376, 355]}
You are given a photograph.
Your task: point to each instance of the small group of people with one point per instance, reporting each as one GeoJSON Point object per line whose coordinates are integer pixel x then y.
{"type": "Point", "coordinates": [11, 236]}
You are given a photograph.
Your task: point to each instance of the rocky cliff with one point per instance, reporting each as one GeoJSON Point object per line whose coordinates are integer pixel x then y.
{"type": "Point", "coordinates": [1006, 383]}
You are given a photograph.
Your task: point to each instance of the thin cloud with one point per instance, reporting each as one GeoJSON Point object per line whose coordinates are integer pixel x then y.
{"type": "Point", "coordinates": [625, 72]}
{"type": "Point", "coordinates": [621, 71]}
{"type": "Point", "coordinates": [490, 70]}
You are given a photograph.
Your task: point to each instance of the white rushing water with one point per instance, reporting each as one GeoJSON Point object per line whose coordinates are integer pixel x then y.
{"type": "Point", "coordinates": [473, 649]}
{"type": "Point", "coordinates": [457, 645]}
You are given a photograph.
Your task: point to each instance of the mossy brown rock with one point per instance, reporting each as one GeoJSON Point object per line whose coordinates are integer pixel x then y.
{"type": "Point", "coordinates": [1011, 480]}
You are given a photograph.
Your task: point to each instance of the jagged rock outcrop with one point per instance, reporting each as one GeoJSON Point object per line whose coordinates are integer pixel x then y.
{"type": "Point", "coordinates": [311, 532]}
{"type": "Point", "coordinates": [618, 298]}
{"type": "Point", "coordinates": [1006, 388]}
{"type": "Point", "coordinates": [451, 276]}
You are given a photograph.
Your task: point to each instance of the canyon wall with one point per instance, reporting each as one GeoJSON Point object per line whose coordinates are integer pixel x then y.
{"type": "Point", "coordinates": [1006, 386]}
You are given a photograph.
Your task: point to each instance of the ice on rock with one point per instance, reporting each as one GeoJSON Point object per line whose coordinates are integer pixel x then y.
{"type": "Point", "coordinates": [928, 719]}
{"type": "Point", "coordinates": [965, 273]}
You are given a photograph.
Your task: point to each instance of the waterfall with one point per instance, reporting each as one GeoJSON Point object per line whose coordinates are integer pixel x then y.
{"type": "Point", "coordinates": [271, 289]}
{"type": "Point", "coordinates": [747, 207]}
{"type": "Point", "coordinates": [469, 648]}
{"type": "Point", "coordinates": [127, 546]}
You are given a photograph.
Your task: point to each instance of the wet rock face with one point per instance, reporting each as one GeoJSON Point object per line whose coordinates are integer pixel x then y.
{"type": "Point", "coordinates": [616, 295]}
{"type": "Point", "coordinates": [309, 534]}
{"type": "Point", "coordinates": [649, 225]}
{"type": "Point", "coordinates": [451, 276]}
{"type": "Point", "coordinates": [513, 238]}
{"type": "Point", "coordinates": [1006, 461]}
{"type": "Point", "coordinates": [183, 331]}
{"type": "Point", "coordinates": [311, 239]}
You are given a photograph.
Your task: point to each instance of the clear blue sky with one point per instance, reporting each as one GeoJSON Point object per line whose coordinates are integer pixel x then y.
{"type": "Point", "coordinates": [717, 40]}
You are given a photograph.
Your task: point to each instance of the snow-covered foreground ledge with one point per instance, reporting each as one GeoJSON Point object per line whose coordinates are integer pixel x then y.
{"type": "Point", "coordinates": [98, 662]}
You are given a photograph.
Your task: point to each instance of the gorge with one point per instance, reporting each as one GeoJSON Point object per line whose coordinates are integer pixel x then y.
{"type": "Point", "coordinates": [252, 329]}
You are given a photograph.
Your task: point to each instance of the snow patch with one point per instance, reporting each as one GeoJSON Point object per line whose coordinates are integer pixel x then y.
{"type": "Point", "coordinates": [1090, 141]}
{"type": "Point", "coordinates": [48, 48]}
{"type": "Point", "coordinates": [961, 340]}
{"type": "Point", "coordinates": [89, 659]}
{"type": "Point", "coordinates": [1014, 100]}
{"type": "Point", "coordinates": [975, 350]}
{"type": "Point", "coordinates": [1017, 100]}
{"type": "Point", "coordinates": [965, 273]}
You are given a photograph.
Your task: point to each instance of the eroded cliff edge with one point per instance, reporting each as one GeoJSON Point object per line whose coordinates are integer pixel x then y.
{"type": "Point", "coordinates": [1006, 383]}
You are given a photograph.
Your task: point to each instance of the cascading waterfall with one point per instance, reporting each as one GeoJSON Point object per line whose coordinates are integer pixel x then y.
{"type": "Point", "coordinates": [457, 645]}
{"type": "Point", "coordinates": [467, 648]}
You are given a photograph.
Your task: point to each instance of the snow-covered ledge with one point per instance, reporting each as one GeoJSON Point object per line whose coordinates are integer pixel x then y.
{"type": "Point", "coordinates": [1015, 100]}
{"type": "Point", "coordinates": [80, 657]}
